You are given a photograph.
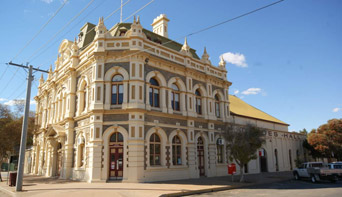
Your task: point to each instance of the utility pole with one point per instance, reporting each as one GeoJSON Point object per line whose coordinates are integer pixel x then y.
{"type": "Point", "coordinates": [19, 183]}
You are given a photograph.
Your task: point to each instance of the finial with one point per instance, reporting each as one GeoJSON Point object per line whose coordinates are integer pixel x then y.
{"type": "Point", "coordinates": [50, 70]}
{"type": "Point", "coordinates": [138, 19]}
{"type": "Point", "coordinates": [185, 46]}
{"type": "Point", "coordinates": [205, 56]}
{"type": "Point", "coordinates": [222, 63]}
{"type": "Point", "coordinates": [75, 41]}
{"type": "Point", "coordinates": [134, 19]}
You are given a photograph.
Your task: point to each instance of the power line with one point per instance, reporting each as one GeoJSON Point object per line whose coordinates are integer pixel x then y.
{"type": "Point", "coordinates": [41, 29]}
{"type": "Point", "coordinates": [138, 10]}
{"type": "Point", "coordinates": [29, 42]}
{"type": "Point", "coordinates": [207, 28]}
{"type": "Point", "coordinates": [76, 16]}
{"type": "Point", "coordinates": [232, 19]}
{"type": "Point", "coordinates": [68, 31]}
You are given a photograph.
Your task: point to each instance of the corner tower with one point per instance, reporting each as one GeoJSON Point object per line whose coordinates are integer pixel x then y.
{"type": "Point", "coordinates": [159, 25]}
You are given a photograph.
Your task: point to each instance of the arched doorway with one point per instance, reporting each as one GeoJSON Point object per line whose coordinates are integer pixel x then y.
{"type": "Point", "coordinates": [116, 161]}
{"type": "Point", "coordinates": [276, 159]}
{"type": "Point", "coordinates": [59, 160]}
{"type": "Point", "coordinates": [263, 160]}
{"type": "Point", "coordinates": [200, 156]}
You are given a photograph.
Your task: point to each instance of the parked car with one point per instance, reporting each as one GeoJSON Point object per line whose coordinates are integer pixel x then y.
{"type": "Point", "coordinates": [336, 166]}
{"type": "Point", "coordinates": [315, 171]}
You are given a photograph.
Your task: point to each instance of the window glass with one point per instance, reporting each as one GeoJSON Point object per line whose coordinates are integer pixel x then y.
{"type": "Point", "coordinates": [117, 90]}
{"type": "Point", "coordinates": [117, 78]}
{"type": "Point", "coordinates": [155, 147]}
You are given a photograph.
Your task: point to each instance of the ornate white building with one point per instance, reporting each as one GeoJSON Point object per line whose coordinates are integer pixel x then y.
{"type": "Point", "coordinates": [128, 103]}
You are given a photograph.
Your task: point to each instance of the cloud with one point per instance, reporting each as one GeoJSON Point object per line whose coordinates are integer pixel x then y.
{"type": "Point", "coordinates": [251, 91]}
{"type": "Point", "coordinates": [2, 99]}
{"type": "Point", "coordinates": [237, 59]}
{"type": "Point", "coordinates": [337, 109]}
{"type": "Point", "coordinates": [47, 1]}
{"type": "Point", "coordinates": [13, 102]}
{"type": "Point", "coordinates": [236, 92]}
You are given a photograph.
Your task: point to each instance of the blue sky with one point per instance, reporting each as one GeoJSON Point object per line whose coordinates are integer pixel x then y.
{"type": "Point", "coordinates": [285, 60]}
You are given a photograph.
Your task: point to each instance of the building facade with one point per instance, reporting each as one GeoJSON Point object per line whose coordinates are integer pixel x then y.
{"type": "Point", "coordinates": [130, 104]}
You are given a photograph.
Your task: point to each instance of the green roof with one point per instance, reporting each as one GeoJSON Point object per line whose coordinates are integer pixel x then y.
{"type": "Point", "coordinates": [150, 35]}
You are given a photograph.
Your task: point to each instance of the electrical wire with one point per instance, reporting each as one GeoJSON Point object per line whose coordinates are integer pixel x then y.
{"type": "Point", "coordinates": [67, 31]}
{"type": "Point", "coordinates": [65, 26]}
{"type": "Point", "coordinates": [29, 42]}
{"type": "Point", "coordinates": [40, 30]}
{"type": "Point", "coordinates": [206, 28]}
{"type": "Point", "coordinates": [138, 10]}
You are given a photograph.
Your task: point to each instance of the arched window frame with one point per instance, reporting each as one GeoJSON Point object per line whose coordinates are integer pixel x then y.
{"type": "Point", "coordinates": [176, 150]}
{"type": "Point", "coordinates": [117, 89]}
{"type": "Point", "coordinates": [198, 102]}
{"type": "Point", "coordinates": [155, 150]}
{"type": "Point", "coordinates": [154, 93]}
{"type": "Point", "coordinates": [175, 97]}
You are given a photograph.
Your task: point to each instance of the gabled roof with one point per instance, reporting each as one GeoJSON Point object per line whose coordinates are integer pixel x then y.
{"type": "Point", "coordinates": [241, 108]}
{"type": "Point", "coordinates": [153, 37]}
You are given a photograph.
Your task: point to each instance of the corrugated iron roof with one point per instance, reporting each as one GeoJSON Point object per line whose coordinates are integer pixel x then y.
{"type": "Point", "coordinates": [239, 107]}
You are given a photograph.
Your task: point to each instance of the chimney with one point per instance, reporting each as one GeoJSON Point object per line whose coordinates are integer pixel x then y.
{"type": "Point", "coordinates": [160, 25]}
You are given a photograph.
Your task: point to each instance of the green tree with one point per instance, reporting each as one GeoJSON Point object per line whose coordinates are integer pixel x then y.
{"type": "Point", "coordinates": [10, 129]}
{"type": "Point", "coordinates": [327, 139]}
{"type": "Point", "coordinates": [243, 143]}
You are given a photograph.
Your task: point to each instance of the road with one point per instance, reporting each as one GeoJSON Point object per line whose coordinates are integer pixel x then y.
{"type": "Point", "coordinates": [285, 189]}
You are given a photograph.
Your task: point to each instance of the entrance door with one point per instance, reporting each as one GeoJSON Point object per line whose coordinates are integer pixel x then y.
{"type": "Point", "coordinates": [263, 160]}
{"type": "Point", "coordinates": [116, 161]}
{"type": "Point", "coordinates": [200, 156]}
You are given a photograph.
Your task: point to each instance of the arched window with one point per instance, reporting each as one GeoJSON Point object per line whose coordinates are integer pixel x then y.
{"type": "Point", "coordinates": [175, 96]}
{"type": "Point", "coordinates": [116, 138]}
{"type": "Point", "coordinates": [85, 98]}
{"type": "Point", "coordinates": [117, 90]}
{"type": "Point", "coordinates": [154, 92]}
{"type": "Point", "coordinates": [220, 150]}
{"type": "Point", "coordinates": [290, 159]}
{"type": "Point", "coordinates": [176, 151]}
{"type": "Point", "coordinates": [81, 152]}
{"type": "Point", "coordinates": [276, 159]}
{"type": "Point", "coordinates": [155, 146]}
{"type": "Point", "coordinates": [217, 106]}
{"type": "Point", "coordinates": [198, 102]}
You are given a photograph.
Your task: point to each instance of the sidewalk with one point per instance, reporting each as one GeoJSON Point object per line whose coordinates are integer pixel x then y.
{"type": "Point", "coordinates": [43, 186]}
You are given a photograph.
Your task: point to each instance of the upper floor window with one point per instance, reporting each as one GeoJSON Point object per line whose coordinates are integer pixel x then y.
{"type": "Point", "coordinates": [117, 89]}
{"type": "Point", "coordinates": [154, 92]}
{"type": "Point", "coordinates": [217, 106]}
{"type": "Point", "coordinates": [85, 98]}
{"type": "Point", "coordinates": [175, 94]}
{"type": "Point", "coordinates": [198, 102]}
{"type": "Point", "coordinates": [155, 146]}
{"type": "Point", "coordinates": [176, 151]}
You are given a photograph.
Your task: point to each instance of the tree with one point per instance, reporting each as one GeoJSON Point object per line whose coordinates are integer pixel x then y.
{"type": "Point", "coordinates": [10, 130]}
{"type": "Point", "coordinates": [243, 143]}
{"type": "Point", "coordinates": [304, 132]}
{"type": "Point", "coordinates": [327, 139]}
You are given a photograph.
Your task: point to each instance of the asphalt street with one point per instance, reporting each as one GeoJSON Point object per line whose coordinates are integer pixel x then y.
{"type": "Point", "coordinates": [284, 189]}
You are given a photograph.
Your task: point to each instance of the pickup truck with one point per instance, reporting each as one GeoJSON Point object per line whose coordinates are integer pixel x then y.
{"type": "Point", "coordinates": [315, 171]}
{"type": "Point", "coordinates": [337, 166]}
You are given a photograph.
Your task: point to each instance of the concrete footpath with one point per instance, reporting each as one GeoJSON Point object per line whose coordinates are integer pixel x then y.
{"type": "Point", "coordinates": [43, 186]}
